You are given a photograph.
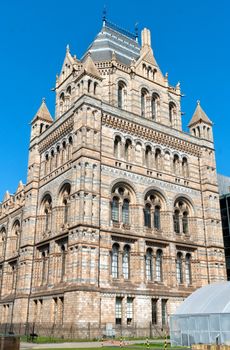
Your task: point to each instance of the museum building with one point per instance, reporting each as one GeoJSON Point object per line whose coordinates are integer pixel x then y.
{"type": "Point", "coordinates": [119, 220]}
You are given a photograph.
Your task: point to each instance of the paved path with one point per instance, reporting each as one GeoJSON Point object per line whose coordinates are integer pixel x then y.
{"type": "Point", "coordinates": [72, 345]}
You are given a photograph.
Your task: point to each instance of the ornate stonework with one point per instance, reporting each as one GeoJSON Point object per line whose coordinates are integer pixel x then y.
{"type": "Point", "coordinates": [119, 219]}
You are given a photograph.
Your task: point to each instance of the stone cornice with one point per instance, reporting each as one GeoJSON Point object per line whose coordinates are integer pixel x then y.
{"type": "Point", "coordinates": [150, 134]}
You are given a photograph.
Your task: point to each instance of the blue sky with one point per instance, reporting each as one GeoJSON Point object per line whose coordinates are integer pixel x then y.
{"type": "Point", "coordinates": [190, 41]}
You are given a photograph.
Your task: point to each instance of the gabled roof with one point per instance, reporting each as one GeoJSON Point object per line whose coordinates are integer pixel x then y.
{"type": "Point", "coordinates": [113, 39]}
{"type": "Point", "coordinates": [43, 113]}
{"type": "Point", "coordinates": [89, 66]}
{"type": "Point", "coordinates": [199, 116]}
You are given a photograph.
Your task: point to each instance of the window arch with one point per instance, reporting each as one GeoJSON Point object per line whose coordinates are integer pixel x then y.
{"type": "Point", "coordinates": [152, 210]}
{"type": "Point", "coordinates": [15, 236]}
{"type": "Point", "coordinates": [2, 241]}
{"type": "Point", "coordinates": [181, 216]}
{"type": "Point", "coordinates": [148, 154]}
{"type": "Point", "coordinates": [149, 264]}
{"type": "Point", "coordinates": [185, 171]}
{"type": "Point", "coordinates": [117, 147]}
{"type": "Point", "coordinates": [172, 112]}
{"type": "Point", "coordinates": [144, 94]}
{"type": "Point", "coordinates": [126, 262]}
{"type": "Point", "coordinates": [120, 205]}
{"type": "Point", "coordinates": [188, 271]}
{"type": "Point", "coordinates": [64, 196]}
{"type": "Point", "coordinates": [159, 274]}
{"type": "Point", "coordinates": [115, 260]}
{"type": "Point", "coordinates": [47, 212]}
{"type": "Point", "coordinates": [179, 268]}
{"type": "Point", "coordinates": [128, 149]}
{"type": "Point", "coordinates": [176, 164]}
{"type": "Point", "coordinates": [154, 106]}
{"type": "Point", "coordinates": [121, 95]}
{"type": "Point", "coordinates": [158, 159]}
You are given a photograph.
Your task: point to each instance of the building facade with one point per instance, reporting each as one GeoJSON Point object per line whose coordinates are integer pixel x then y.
{"type": "Point", "coordinates": [119, 220]}
{"type": "Point", "coordinates": [224, 190]}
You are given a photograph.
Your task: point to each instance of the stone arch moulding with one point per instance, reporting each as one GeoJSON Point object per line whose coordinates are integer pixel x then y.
{"type": "Point", "coordinates": [187, 199]}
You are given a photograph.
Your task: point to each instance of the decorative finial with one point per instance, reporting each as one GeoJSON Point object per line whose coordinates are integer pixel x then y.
{"type": "Point", "coordinates": [104, 16]}
{"type": "Point", "coordinates": [166, 75]}
{"type": "Point", "coordinates": [43, 100]}
{"type": "Point", "coordinates": [136, 31]}
{"type": "Point", "coordinates": [198, 102]}
{"type": "Point", "coordinates": [67, 48]}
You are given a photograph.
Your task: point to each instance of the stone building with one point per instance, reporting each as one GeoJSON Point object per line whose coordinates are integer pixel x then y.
{"type": "Point", "coordinates": [119, 219]}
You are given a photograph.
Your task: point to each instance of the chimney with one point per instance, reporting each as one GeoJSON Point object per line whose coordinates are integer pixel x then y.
{"type": "Point", "coordinates": [145, 38]}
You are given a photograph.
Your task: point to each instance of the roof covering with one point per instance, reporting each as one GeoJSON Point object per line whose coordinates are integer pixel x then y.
{"type": "Point", "coordinates": [43, 113]}
{"type": "Point", "coordinates": [211, 299]}
{"type": "Point", "coordinates": [111, 40]}
{"type": "Point", "coordinates": [199, 115]}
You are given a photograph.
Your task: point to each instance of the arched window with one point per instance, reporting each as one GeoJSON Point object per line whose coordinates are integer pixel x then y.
{"type": "Point", "coordinates": [125, 211]}
{"type": "Point", "coordinates": [115, 209]}
{"type": "Point", "coordinates": [2, 241]}
{"type": "Point", "coordinates": [148, 153]}
{"type": "Point", "coordinates": [158, 159]}
{"type": "Point", "coordinates": [147, 215]}
{"type": "Point", "coordinates": [68, 90]}
{"type": "Point", "coordinates": [117, 147]}
{"type": "Point", "coordinates": [47, 210]}
{"type": "Point", "coordinates": [159, 274]}
{"type": "Point", "coordinates": [64, 196]}
{"type": "Point", "coordinates": [149, 264]}
{"type": "Point", "coordinates": [125, 262]}
{"type": "Point", "coordinates": [128, 147]}
{"type": "Point", "coordinates": [70, 146]}
{"type": "Point", "coordinates": [121, 95]}
{"type": "Point", "coordinates": [63, 152]}
{"type": "Point", "coordinates": [95, 88]}
{"type": "Point", "coordinates": [57, 156]}
{"type": "Point", "coordinates": [89, 85]}
{"type": "Point", "coordinates": [157, 223]}
{"type": "Point", "coordinates": [120, 205]}
{"type": "Point", "coordinates": [176, 220]}
{"type": "Point", "coordinates": [181, 216]}
{"type": "Point", "coordinates": [114, 260]}
{"type": "Point", "coordinates": [185, 222]}
{"type": "Point", "coordinates": [144, 94]}
{"type": "Point", "coordinates": [176, 164]}
{"type": "Point", "coordinates": [179, 268]}
{"type": "Point", "coordinates": [185, 167]}
{"type": "Point", "coordinates": [152, 210]}
{"type": "Point", "coordinates": [46, 164]}
{"type": "Point", "coordinates": [172, 112]}
{"type": "Point", "coordinates": [15, 237]}
{"type": "Point", "coordinates": [188, 274]}
{"type": "Point", "coordinates": [154, 106]}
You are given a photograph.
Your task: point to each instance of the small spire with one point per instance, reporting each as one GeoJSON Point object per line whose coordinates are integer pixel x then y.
{"type": "Point", "coordinates": [198, 102]}
{"type": "Point", "coordinates": [43, 100]}
{"type": "Point", "coordinates": [67, 48]}
{"type": "Point", "coordinates": [104, 16]}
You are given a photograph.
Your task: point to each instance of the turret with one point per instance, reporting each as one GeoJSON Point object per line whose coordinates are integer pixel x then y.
{"type": "Point", "coordinates": [200, 125]}
{"type": "Point", "coordinates": [41, 121]}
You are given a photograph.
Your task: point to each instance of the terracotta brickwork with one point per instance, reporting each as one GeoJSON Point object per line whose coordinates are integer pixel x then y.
{"type": "Point", "coordinates": [119, 219]}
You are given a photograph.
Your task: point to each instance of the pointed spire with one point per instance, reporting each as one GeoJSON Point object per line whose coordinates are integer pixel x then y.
{"type": "Point", "coordinates": [20, 187]}
{"type": "Point", "coordinates": [199, 116]}
{"type": "Point", "coordinates": [43, 113]}
{"type": "Point", "coordinates": [67, 48]}
{"type": "Point", "coordinates": [6, 196]}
